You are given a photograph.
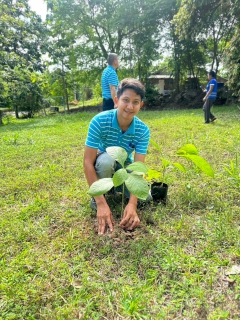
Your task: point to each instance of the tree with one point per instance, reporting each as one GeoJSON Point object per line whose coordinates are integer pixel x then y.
{"type": "Point", "coordinates": [100, 27]}
{"type": "Point", "coordinates": [26, 94]}
{"type": "Point", "coordinates": [22, 35]}
{"type": "Point", "coordinates": [232, 62]}
{"type": "Point", "coordinates": [212, 22]}
{"type": "Point", "coordinates": [22, 41]}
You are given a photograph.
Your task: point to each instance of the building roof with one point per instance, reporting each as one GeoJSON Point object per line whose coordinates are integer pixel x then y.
{"type": "Point", "coordinates": [168, 76]}
{"type": "Point", "coordinates": [221, 79]}
{"type": "Point", "coordinates": [160, 76]}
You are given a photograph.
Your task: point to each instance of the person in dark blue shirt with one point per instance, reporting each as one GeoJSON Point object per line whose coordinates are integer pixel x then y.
{"type": "Point", "coordinates": [110, 82]}
{"type": "Point", "coordinates": [210, 97]}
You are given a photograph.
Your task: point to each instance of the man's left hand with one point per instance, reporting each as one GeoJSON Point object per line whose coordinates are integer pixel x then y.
{"type": "Point", "coordinates": [130, 218]}
{"type": "Point", "coordinates": [204, 99]}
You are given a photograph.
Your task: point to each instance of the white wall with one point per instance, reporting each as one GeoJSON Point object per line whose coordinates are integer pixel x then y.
{"type": "Point", "coordinates": [161, 86]}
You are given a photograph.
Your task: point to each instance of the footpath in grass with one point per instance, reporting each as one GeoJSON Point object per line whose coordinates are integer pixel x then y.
{"type": "Point", "coordinates": [181, 263]}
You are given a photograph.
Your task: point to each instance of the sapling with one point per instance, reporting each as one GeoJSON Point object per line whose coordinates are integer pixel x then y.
{"type": "Point", "coordinates": [189, 152]}
{"type": "Point", "coordinates": [157, 178]}
{"type": "Point", "coordinates": [130, 176]}
{"type": "Point", "coordinates": [159, 175]}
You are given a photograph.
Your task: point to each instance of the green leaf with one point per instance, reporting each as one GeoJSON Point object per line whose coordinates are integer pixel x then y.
{"type": "Point", "coordinates": [165, 163]}
{"type": "Point", "coordinates": [155, 145]}
{"type": "Point", "coordinates": [153, 175]}
{"type": "Point", "coordinates": [33, 78]}
{"type": "Point", "coordinates": [179, 166]}
{"type": "Point", "coordinates": [137, 186]}
{"type": "Point", "coordinates": [201, 163]}
{"type": "Point", "coordinates": [119, 177]}
{"type": "Point", "coordinates": [137, 173]}
{"type": "Point", "coordinates": [138, 166]}
{"type": "Point", "coordinates": [188, 149]}
{"type": "Point", "coordinates": [100, 187]}
{"type": "Point", "coordinates": [118, 154]}
{"type": "Point", "coordinates": [228, 171]}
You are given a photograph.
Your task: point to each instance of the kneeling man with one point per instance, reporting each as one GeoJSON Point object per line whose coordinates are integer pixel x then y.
{"type": "Point", "coordinates": [119, 127]}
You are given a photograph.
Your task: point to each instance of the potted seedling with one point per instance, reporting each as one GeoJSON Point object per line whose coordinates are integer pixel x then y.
{"type": "Point", "coordinates": [157, 178]}
{"type": "Point", "coordinates": [159, 187]}
{"type": "Point", "coordinates": [131, 177]}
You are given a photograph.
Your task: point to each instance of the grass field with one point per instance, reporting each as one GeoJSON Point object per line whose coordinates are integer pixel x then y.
{"type": "Point", "coordinates": [53, 265]}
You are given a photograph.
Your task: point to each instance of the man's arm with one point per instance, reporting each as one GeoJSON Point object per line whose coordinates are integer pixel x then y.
{"type": "Point", "coordinates": [209, 92]}
{"type": "Point", "coordinates": [104, 214]}
{"type": "Point", "coordinates": [130, 218]}
{"type": "Point", "coordinates": [113, 91]}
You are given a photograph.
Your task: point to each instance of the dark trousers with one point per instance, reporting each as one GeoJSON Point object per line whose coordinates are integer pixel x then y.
{"type": "Point", "coordinates": [206, 109]}
{"type": "Point", "coordinates": [108, 104]}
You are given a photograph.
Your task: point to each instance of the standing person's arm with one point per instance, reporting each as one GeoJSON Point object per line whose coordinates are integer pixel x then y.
{"type": "Point", "coordinates": [113, 83]}
{"type": "Point", "coordinates": [130, 218]}
{"type": "Point", "coordinates": [113, 91]}
{"type": "Point", "coordinates": [209, 92]}
{"type": "Point", "coordinates": [104, 214]}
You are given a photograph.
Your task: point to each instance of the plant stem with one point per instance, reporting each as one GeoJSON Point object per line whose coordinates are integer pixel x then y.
{"type": "Point", "coordinates": [122, 198]}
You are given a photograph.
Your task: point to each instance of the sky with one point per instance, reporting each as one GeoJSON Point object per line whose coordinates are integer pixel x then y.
{"type": "Point", "coordinates": [39, 6]}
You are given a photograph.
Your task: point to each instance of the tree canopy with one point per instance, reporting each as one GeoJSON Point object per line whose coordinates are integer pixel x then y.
{"type": "Point", "coordinates": [22, 42]}
{"type": "Point", "coordinates": [191, 36]}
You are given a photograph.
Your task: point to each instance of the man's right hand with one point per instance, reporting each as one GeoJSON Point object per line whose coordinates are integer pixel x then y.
{"type": "Point", "coordinates": [105, 218]}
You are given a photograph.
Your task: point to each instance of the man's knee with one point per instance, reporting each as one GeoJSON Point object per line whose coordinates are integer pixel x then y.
{"type": "Point", "coordinates": [105, 166]}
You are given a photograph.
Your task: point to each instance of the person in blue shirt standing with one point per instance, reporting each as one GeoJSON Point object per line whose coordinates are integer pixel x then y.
{"type": "Point", "coordinates": [110, 82]}
{"type": "Point", "coordinates": [210, 97]}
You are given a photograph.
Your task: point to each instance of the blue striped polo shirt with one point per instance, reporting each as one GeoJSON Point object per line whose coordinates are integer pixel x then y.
{"type": "Point", "coordinates": [109, 77]}
{"type": "Point", "coordinates": [104, 132]}
{"type": "Point", "coordinates": [213, 94]}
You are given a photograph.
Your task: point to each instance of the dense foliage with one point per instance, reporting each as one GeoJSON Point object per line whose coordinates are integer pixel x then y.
{"type": "Point", "coordinates": [214, 24]}
{"type": "Point", "coordinates": [188, 37]}
{"type": "Point", "coordinates": [22, 37]}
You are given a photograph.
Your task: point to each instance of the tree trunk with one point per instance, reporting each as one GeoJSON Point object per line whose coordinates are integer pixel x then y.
{"type": "Point", "coordinates": [176, 58]}
{"type": "Point", "coordinates": [65, 91]}
{"type": "Point", "coordinates": [104, 51]}
{"type": "Point", "coordinates": [75, 93]}
{"type": "Point", "coordinates": [1, 116]}
{"type": "Point", "coordinates": [139, 70]}
{"type": "Point", "coordinates": [44, 110]}
{"type": "Point", "coordinates": [65, 88]}
{"type": "Point", "coordinates": [177, 74]}
{"type": "Point", "coordinates": [217, 66]}
{"type": "Point", "coordinates": [16, 112]}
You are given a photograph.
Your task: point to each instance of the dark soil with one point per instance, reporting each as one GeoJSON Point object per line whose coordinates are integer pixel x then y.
{"type": "Point", "coordinates": [119, 235]}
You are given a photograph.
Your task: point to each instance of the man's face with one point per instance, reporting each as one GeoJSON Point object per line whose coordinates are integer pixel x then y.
{"type": "Point", "coordinates": [209, 77]}
{"type": "Point", "coordinates": [116, 63]}
{"type": "Point", "coordinates": [128, 104]}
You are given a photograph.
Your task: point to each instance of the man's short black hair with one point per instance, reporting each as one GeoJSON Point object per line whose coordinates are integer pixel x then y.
{"type": "Point", "coordinates": [111, 58]}
{"type": "Point", "coordinates": [130, 83]}
{"type": "Point", "coordinates": [212, 73]}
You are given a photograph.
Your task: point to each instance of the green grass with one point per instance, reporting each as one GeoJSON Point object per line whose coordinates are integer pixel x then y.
{"type": "Point", "coordinates": [53, 265]}
{"type": "Point", "coordinates": [91, 102]}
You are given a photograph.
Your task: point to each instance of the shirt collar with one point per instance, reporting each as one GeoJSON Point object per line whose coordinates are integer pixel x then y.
{"type": "Point", "coordinates": [111, 67]}
{"type": "Point", "coordinates": [130, 130]}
